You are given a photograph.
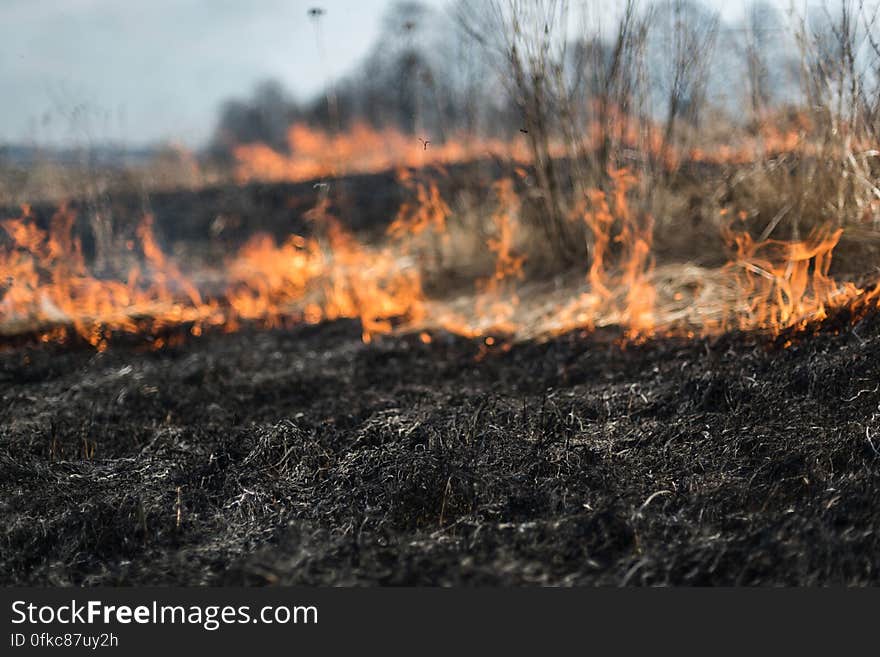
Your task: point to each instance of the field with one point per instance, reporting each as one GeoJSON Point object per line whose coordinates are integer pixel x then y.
{"type": "Point", "coordinates": [529, 296]}
{"type": "Point", "coordinates": [302, 455]}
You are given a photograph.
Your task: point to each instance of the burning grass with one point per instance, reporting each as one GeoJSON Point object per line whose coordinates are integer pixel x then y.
{"type": "Point", "coordinates": [767, 285]}
{"type": "Point", "coordinates": [627, 422]}
{"type": "Point", "coordinates": [313, 153]}
{"type": "Point", "coordinates": [627, 354]}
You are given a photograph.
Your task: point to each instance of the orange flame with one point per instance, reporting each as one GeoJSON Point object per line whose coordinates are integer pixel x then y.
{"type": "Point", "coordinates": [46, 285]}
{"type": "Point", "coordinates": [781, 284]}
{"type": "Point", "coordinates": [51, 286]}
{"type": "Point", "coordinates": [315, 153]}
{"type": "Point", "coordinates": [620, 290]}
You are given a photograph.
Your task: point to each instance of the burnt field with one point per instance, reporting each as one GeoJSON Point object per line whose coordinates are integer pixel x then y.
{"type": "Point", "coordinates": [303, 456]}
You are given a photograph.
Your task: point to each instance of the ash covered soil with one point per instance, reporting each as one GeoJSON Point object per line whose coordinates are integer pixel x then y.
{"type": "Point", "coordinates": [302, 456]}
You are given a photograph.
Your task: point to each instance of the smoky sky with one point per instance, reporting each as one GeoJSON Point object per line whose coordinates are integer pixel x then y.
{"type": "Point", "coordinates": [142, 71]}
{"type": "Point", "coordinates": [149, 70]}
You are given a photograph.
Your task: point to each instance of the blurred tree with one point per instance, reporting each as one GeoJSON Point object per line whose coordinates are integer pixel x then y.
{"type": "Point", "coordinates": [264, 117]}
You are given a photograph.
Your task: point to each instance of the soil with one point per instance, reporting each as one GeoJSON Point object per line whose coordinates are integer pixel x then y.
{"type": "Point", "coordinates": [303, 456]}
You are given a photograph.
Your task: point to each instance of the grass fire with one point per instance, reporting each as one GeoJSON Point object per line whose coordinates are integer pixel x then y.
{"type": "Point", "coordinates": [534, 293]}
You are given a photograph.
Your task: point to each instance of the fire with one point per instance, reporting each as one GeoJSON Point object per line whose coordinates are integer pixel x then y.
{"type": "Point", "coordinates": [316, 153]}
{"type": "Point", "coordinates": [495, 300]}
{"type": "Point", "coordinates": [339, 279]}
{"type": "Point", "coordinates": [498, 299]}
{"type": "Point", "coordinates": [619, 286]}
{"type": "Point", "coordinates": [342, 279]}
{"type": "Point", "coordinates": [267, 278]}
{"type": "Point", "coordinates": [313, 153]}
{"type": "Point", "coordinates": [780, 284]}
{"type": "Point", "coordinates": [51, 288]}
{"type": "Point", "coordinates": [371, 285]}
{"type": "Point", "coordinates": [47, 287]}
{"type": "Point", "coordinates": [426, 211]}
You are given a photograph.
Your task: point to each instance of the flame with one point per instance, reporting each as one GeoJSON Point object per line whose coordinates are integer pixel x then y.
{"type": "Point", "coordinates": [497, 300]}
{"type": "Point", "coordinates": [342, 279]}
{"type": "Point", "coordinates": [267, 278]}
{"type": "Point", "coordinates": [771, 285]}
{"type": "Point", "coordinates": [323, 279]}
{"type": "Point", "coordinates": [620, 290]}
{"type": "Point", "coordinates": [426, 211]}
{"type": "Point", "coordinates": [371, 285]}
{"type": "Point", "coordinates": [49, 287]}
{"type": "Point", "coordinates": [46, 285]}
{"type": "Point", "coordinates": [315, 153]}
{"type": "Point", "coordinates": [780, 284]}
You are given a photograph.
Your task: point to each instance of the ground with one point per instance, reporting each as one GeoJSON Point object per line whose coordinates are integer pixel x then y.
{"type": "Point", "coordinates": [303, 456]}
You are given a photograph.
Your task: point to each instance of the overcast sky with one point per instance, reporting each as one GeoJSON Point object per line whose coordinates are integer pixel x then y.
{"type": "Point", "coordinates": [155, 70]}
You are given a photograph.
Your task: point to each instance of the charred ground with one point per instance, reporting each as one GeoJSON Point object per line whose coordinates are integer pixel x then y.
{"type": "Point", "coordinates": [303, 456]}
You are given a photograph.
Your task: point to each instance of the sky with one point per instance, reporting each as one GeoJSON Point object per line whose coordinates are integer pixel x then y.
{"type": "Point", "coordinates": [156, 70]}
{"type": "Point", "coordinates": [147, 71]}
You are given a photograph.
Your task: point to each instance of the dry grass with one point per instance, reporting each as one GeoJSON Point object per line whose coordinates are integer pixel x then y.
{"type": "Point", "coordinates": [51, 181]}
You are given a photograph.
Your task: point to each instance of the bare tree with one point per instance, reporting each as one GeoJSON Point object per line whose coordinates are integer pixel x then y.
{"type": "Point", "coordinates": [869, 16]}
{"type": "Point", "coordinates": [684, 40]}
{"type": "Point", "coordinates": [528, 42]}
{"type": "Point", "coordinates": [565, 88]}
{"type": "Point", "coordinates": [761, 27]}
{"type": "Point", "coordinates": [832, 40]}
